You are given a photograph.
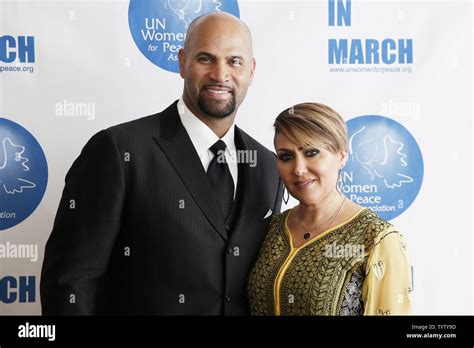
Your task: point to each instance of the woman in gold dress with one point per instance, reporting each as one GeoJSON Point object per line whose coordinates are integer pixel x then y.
{"type": "Point", "coordinates": [327, 255]}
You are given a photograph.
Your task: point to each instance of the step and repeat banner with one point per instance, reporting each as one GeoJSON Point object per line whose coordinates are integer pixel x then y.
{"type": "Point", "coordinates": [400, 73]}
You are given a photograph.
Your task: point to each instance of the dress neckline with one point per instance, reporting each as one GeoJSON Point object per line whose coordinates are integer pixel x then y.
{"type": "Point", "coordinates": [322, 234]}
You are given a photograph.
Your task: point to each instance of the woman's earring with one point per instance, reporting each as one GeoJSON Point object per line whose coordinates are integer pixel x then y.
{"type": "Point", "coordinates": [287, 195]}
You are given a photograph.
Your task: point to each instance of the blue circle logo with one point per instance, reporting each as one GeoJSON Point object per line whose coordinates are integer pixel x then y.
{"type": "Point", "coordinates": [159, 27]}
{"type": "Point", "coordinates": [384, 170]}
{"type": "Point", "coordinates": [23, 173]}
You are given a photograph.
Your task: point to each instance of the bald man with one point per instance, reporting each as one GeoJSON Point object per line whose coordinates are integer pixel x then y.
{"type": "Point", "coordinates": [164, 215]}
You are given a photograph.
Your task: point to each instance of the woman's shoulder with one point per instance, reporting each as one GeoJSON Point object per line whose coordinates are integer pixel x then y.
{"type": "Point", "coordinates": [275, 236]}
{"type": "Point", "coordinates": [376, 228]}
{"type": "Point", "coordinates": [279, 218]}
{"type": "Point", "coordinates": [375, 223]}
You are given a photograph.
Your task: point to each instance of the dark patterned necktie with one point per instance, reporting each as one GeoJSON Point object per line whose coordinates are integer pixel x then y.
{"type": "Point", "coordinates": [220, 178]}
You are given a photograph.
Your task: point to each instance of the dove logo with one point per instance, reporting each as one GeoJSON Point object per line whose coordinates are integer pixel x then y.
{"type": "Point", "coordinates": [384, 170]}
{"type": "Point", "coordinates": [23, 174]}
{"type": "Point", "coordinates": [159, 27]}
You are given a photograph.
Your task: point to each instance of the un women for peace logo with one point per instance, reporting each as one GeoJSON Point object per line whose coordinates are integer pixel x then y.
{"type": "Point", "coordinates": [23, 173]}
{"type": "Point", "coordinates": [384, 170]}
{"type": "Point", "coordinates": [159, 27]}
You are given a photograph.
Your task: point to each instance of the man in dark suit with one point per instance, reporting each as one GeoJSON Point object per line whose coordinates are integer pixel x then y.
{"type": "Point", "coordinates": [166, 214]}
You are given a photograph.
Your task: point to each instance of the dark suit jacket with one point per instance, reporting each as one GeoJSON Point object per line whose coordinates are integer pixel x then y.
{"type": "Point", "coordinates": [139, 232]}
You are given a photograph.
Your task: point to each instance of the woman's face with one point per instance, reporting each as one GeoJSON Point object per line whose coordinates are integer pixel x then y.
{"type": "Point", "coordinates": [309, 174]}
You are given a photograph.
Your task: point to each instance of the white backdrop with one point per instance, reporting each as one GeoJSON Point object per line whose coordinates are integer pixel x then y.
{"type": "Point", "coordinates": [85, 56]}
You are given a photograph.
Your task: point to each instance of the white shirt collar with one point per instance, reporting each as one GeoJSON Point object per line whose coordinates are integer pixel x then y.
{"type": "Point", "coordinates": [202, 136]}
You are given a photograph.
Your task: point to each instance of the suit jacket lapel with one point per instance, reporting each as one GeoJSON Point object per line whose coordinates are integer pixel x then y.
{"type": "Point", "coordinates": [177, 146]}
{"type": "Point", "coordinates": [249, 179]}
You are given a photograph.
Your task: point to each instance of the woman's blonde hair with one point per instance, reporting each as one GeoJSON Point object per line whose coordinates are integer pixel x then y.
{"type": "Point", "coordinates": [313, 124]}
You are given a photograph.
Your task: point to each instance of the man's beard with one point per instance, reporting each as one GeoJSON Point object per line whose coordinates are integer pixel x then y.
{"type": "Point", "coordinates": [216, 109]}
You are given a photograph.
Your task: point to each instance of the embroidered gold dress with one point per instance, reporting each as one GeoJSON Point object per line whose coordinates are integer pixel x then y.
{"type": "Point", "coordinates": [356, 268]}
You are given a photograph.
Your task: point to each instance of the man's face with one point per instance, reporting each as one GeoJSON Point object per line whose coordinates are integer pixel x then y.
{"type": "Point", "coordinates": [217, 68]}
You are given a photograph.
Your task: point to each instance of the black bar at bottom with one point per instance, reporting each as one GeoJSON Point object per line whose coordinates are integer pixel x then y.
{"type": "Point", "coordinates": [407, 330]}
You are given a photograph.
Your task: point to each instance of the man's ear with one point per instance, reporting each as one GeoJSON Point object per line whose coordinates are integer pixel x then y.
{"type": "Point", "coordinates": [253, 65]}
{"type": "Point", "coordinates": [182, 65]}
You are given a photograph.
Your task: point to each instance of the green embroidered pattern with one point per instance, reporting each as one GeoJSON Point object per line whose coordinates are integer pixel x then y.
{"type": "Point", "coordinates": [318, 280]}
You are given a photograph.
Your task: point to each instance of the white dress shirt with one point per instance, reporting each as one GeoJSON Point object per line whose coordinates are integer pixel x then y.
{"type": "Point", "coordinates": [204, 137]}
